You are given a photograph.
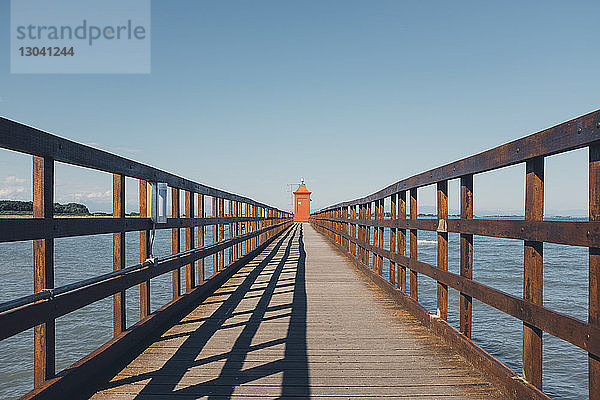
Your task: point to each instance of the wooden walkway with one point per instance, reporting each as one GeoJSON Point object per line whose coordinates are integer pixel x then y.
{"type": "Point", "coordinates": [299, 321]}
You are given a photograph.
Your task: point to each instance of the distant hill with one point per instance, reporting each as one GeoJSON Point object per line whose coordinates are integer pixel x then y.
{"type": "Point", "coordinates": [26, 207]}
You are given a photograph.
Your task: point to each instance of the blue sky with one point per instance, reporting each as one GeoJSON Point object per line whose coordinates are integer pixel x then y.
{"type": "Point", "coordinates": [249, 96]}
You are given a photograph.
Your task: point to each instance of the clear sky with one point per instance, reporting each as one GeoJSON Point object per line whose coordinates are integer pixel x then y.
{"type": "Point", "coordinates": [249, 96]}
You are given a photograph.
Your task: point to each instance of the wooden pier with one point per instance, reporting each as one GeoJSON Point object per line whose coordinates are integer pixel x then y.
{"type": "Point", "coordinates": [298, 321]}
{"type": "Point", "coordinates": [300, 310]}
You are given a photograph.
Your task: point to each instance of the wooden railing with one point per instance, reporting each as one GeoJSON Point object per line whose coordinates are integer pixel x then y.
{"type": "Point", "coordinates": [251, 227]}
{"type": "Point", "coordinates": [352, 224]}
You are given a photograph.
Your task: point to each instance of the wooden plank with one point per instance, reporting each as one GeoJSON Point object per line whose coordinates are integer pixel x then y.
{"type": "Point", "coordinates": [402, 240]}
{"type": "Point", "coordinates": [576, 133]}
{"type": "Point", "coordinates": [466, 254]}
{"type": "Point", "coordinates": [368, 234]}
{"type": "Point", "coordinates": [25, 139]}
{"type": "Point", "coordinates": [44, 347]}
{"type": "Point", "coordinates": [201, 232]}
{"type": "Point", "coordinates": [393, 215]}
{"type": "Point", "coordinates": [557, 324]}
{"type": "Point", "coordinates": [533, 272]}
{"type": "Point", "coordinates": [512, 385]}
{"type": "Point", "coordinates": [442, 247]}
{"type": "Point", "coordinates": [381, 234]}
{"type": "Point", "coordinates": [221, 209]}
{"type": "Point", "coordinates": [414, 286]}
{"type": "Point", "coordinates": [119, 313]}
{"type": "Point", "coordinates": [175, 243]}
{"type": "Point", "coordinates": [376, 236]}
{"type": "Point", "coordinates": [209, 353]}
{"type": "Point", "coordinates": [215, 234]}
{"type": "Point", "coordinates": [26, 317]}
{"type": "Point", "coordinates": [190, 269]}
{"type": "Point", "coordinates": [144, 251]}
{"type": "Point", "coordinates": [594, 270]}
{"type": "Point", "coordinates": [575, 233]}
{"type": "Point", "coordinates": [78, 379]}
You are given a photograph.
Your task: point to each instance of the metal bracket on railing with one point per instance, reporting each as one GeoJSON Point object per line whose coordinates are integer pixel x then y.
{"type": "Point", "coordinates": [50, 293]}
{"type": "Point", "coordinates": [442, 226]}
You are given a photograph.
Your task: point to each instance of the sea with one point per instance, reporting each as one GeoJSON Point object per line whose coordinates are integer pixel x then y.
{"type": "Point", "coordinates": [496, 262]}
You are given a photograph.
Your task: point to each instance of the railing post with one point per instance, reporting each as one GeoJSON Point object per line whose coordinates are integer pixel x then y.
{"type": "Point", "coordinates": [533, 271]}
{"type": "Point", "coordinates": [353, 244]}
{"type": "Point", "coordinates": [234, 231]}
{"type": "Point", "coordinates": [144, 251]}
{"type": "Point", "coordinates": [381, 234]}
{"type": "Point", "coordinates": [248, 226]}
{"type": "Point", "coordinates": [376, 236]}
{"type": "Point", "coordinates": [393, 216]}
{"type": "Point", "coordinates": [221, 208]}
{"type": "Point", "coordinates": [364, 253]}
{"type": "Point", "coordinates": [466, 254]}
{"type": "Point", "coordinates": [43, 268]}
{"type": "Point", "coordinates": [189, 241]}
{"type": "Point", "coordinates": [414, 285]}
{"type": "Point", "coordinates": [119, 324]}
{"type": "Point", "coordinates": [442, 247]}
{"type": "Point", "coordinates": [594, 269]}
{"type": "Point", "coordinates": [402, 240]}
{"type": "Point", "coordinates": [368, 235]}
{"type": "Point", "coordinates": [175, 242]}
{"type": "Point", "coordinates": [231, 249]}
{"type": "Point", "coordinates": [215, 234]}
{"type": "Point", "coordinates": [201, 276]}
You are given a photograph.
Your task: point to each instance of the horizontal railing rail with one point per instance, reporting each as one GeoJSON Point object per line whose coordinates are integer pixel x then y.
{"type": "Point", "coordinates": [574, 134]}
{"type": "Point", "coordinates": [359, 227]}
{"type": "Point", "coordinates": [240, 228]}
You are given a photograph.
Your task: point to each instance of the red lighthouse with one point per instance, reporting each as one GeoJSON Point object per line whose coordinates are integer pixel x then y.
{"type": "Point", "coordinates": [301, 203]}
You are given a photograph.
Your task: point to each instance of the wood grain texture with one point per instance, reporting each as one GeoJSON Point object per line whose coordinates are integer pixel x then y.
{"type": "Point", "coordinates": [533, 277]}
{"type": "Point", "coordinates": [119, 316]}
{"type": "Point", "coordinates": [276, 329]}
{"type": "Point", "coordinates": [43, 269]}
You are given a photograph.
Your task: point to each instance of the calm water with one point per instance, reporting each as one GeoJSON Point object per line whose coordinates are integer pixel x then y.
{"type": "Point", "coordinates": [497, 262]}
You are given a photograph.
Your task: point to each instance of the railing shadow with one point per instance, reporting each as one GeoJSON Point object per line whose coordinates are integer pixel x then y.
{"type": "Point", "coordinates": [284, 257]}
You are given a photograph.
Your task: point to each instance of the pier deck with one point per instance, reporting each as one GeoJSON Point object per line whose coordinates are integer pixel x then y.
{"type": "Point", "coordinates": [298, 321]}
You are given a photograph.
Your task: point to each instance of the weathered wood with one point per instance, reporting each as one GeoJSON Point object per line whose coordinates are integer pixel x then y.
{"type": "Point", "coordinates": [393, 216]}
{"type": "Point", "coordinates": [215, 234]}
{"type": "Point", "coordinates": [466, 254]}
{"type": "Point", "coordinates": [402, 240]}
{"type": "Point", "coordinates": [144, 251]}
{"type": "Point", "coordinates": [505, 378]}
{"type": "Point", "coordinates": [570, 135]}
{"type": "Point", "coordinates": [78, 380]}
{"type": "Point", "coordinates": [594, 269]}
{"type": "Point", "coordinates": [533, 273]}
{"type": "Point", "coordinates": [241, 347]}
{"type": "Point", "coordinates": [575, 233]}
{"type": "Point", "coordinates": [201, 276]}
{"type": "Point", "coordinates": [414, 286]}
{"type": "Point", "coordinates": [381, 234]}
{"type": "Point", "coordinates": [119, 314]}
{"type": "Point", "coordinates": [557, 324]}
{"type": "Point", "coordinates": [26, 317]}
{"type": "Point", "coordinates": [442, 247]}
{"type": "Point", "coordinates": [175, 242]}
{"type": "Point", "coordinates": [190, 269]}
{"type": "Point", "coordinates": [25, 139]}
{"type": "Point", "coordinates": [43, 270]}
{"type": "Point", "coordinates": [221, 208]}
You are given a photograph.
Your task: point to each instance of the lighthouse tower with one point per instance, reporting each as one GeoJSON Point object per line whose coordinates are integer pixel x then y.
{"type": "Point", "coordinates": [301, 203]}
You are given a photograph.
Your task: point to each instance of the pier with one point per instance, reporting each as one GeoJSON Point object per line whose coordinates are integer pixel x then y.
{"type": "Point", "coordinates": [300, 310]}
